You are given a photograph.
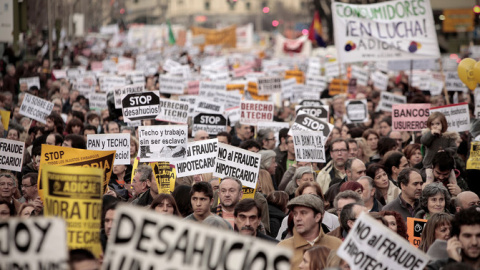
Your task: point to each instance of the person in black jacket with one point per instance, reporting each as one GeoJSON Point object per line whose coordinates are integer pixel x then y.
{"type": "Point", "coordinates": [277, 207]}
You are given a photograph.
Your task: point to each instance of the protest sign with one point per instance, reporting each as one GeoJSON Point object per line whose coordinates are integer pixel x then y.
{"type": "Point", "coordinates": [422, 64]}
{"type": "Point", "coordinates": [116, 142]}
{"type": "Point", "coordinates": [32, 81]}
{"type": "Point", "coordinates": [75, 194]}
{"type": "Point", "coordinates": [242, 71]}
{"type": "Point", "coordinates": [309, 146]}
{"type": "Point", "coordinates": [436, 86]}
{"type": "Point", "coordinates": [5, 118]}
{"type": "Point", "coordinates": [356, 111]}
{"type": "Point", "coordinates": [380, 80]}
{"type": "Point", "coordinates": [296, 74]}
{"type": "Point", "coordinates": [372, 245]}
{"type": "Point", "coordinates": [334, 69]}
{"type": "Point", "coordinates": [274, 126]}
{"type": "Point", "coordinates": [127, 89]}
{"type": "Point", "coordinates": [319, 83]}
{"type": "Point", "coordinates": [11, 154]}
{"type": "Point", "coordinates": [200, 158]}
{"type": "Point", "coordinates": [173, 111]}
{"type": "Point", "coordinates": [225, 36]}
{"type": "Point", "coordinates": [410, 117]}
{"type": "Point", "coordinates": [415, 228]}
{"type": "Point", "coordinates": [36, 108]}
{"type": "Point", "coordinates": [161, 143]}
{"type": "Point", "coordinates": [311, 102]}
{"type": "Point", "coordinates": [140, 106]}
{"type": "Point", "coordinates": [233, 114]}
{"type": "Point", "coordinates": [453, 82]}
{"type": "Point", "coordinates": [211, 123]}
{"type": "Point", "coordinates": [98, 101]}
{"type": "Point", "coordinates": [287, 87]}
{"type": "Point", "coordinates": [214, 86]}
{"type": "Point", "coordinates": [230, 99]}
{"type": "Point", "coordinates": [458, 116]}
{"type": "Point", "coordinates": [360, 74]}
{"type": "Point", "coordinates": [193, 87]}
{"type": "Point", "coordinates": [238, 163]}
{"type": "Point", "coordinates": [388, 99]}
{"type": "Point", "coordinates": [137, 232]}
{"type": "Point", "coordinates": [59, 74]}
{"type": "Point", "coordinates": [171, 84]}
{"type": "Point", "coordinates": [34, 243]}
{"type": "Point", "coordinates": [59, 155]}
{"type": "Point", "coordinates": [314, 66]}
{"type": "Point", "coordinates": [85, 89]}
{"type": "Point", "coordinates": [384, 31]}
{"type": "Point", "coordinates": [477, 103]}
{"type": "Point", "coordinates": [307, 122]}
{"type": "Point", "coordinates": [316, 111]}
{"type": "Point", "coordinates": [109, 83]}
{"type": "Point", "coordinates": [165, 175]}
{"type": "Point", "coordinates": [473, 162]}
{"type": "Point", "coordinates": [269, 85]}
{"type": "Point", "coordinates": [252, 112]}
{"type": "Point", "coordinates": [337, 86]}
{"type": "Point", "coordinates": [207, 106]}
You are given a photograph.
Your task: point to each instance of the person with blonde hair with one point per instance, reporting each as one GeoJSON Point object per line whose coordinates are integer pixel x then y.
{"type": "Point", "coordinates": [314, 258]}
{"type": "Point", "coordinates": [438, 226]}
{"type": "Point", "coordinates": [364, 152]}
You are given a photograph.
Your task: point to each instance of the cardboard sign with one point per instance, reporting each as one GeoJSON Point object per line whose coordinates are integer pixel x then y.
{"type": "Point", "coordinates": [171, 84]}
{"type": "Point", "coordinates": [307, 122]}
{"type": "Point", "coordinates": [137, 234]}
{"type": "Point", "coordinates": [34, 243]}
{"type": "Point", "coordinates": [127, 89]}
{"type": "Point", "coordinates": [410, 117]}
{"type": "Point", "coordinates": [32, 81]}
{"type": "Point", "coordinates": [317, 111]}
{"type": "Point", "coordinates": [384, 31]}
{"type": "Point", "coordinates": [252, 112]}
{"type": "Point", "coordinates": [388, 99]}
{"type": "Point", "coordinates": [372, 245]}
{"type": "Point", "coordinates": [269, 85]}
{"type": "Point", "coordinates": [165, 175]}
{"type": "Point", "coordinates": [75, 194]}
{"type": "Point", "coordinates": [238, 163]}
{"type": "Point", "coordinates": [319, 83]}
{"type": "Point", "coordinates": [208, 106]}
{"type": "Point", "coordinates": [140, 106]}
{"type": "Point", "coordinates": [211, 123]}
{"type": "Point", "coordinates": [380, 80]}
{"type": "Point", "coordinates": [162, 143]}
{"type": "Point", "coordinates": [173, 111]}
{"type": "Point", "coordinates": [458, 116]}
{"type": "Point", "coordinates": [36, 108]}
{"type": "Point", "coordinates": [356, 111]}
{"type": "Point", "coordinates": [473, 162]}
{"type": "Point", "coordinates": [200, 158]}
{"type": "Point", "coordinates": [115, 142]}
{"type": "Point", "coordinates": [98, 101]}
{"type": "Point", "coordinates": [11, 154]}
{"type": "Point", "coordinates": [59, 155]}
{"type": "Point", "coordinates": [415, 228]}
{"type": "Point", "coordinates": [309, 146]}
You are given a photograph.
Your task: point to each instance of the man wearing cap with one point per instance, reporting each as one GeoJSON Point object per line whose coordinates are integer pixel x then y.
{"type": "Point", "coordinates": [307, 212]}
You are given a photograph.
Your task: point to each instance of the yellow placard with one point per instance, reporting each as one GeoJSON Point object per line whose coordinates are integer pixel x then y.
{"type": "Point", "coordinates": [165, 175]}
{"type": "Point", "coordinates": [297, 74]}
{"type": "Point", "coordinates": [226, 36]}
{"type": "Point", "coordinates": [248, 193]}
{"type": "Point", "coordinates": [59, 155]}
{"type": "Point", "coordinates": [338, 86]}
{"type": "Point", "coordinates": [473, 162]}
{"type": "Point", "coordinates": [458, 20]}
{"type": "Point", "coordinates": [5, 119]}
{"type": "Point", "coordinates": [75, 194]}
{"type": "Point", "coordinates": [414, 230]}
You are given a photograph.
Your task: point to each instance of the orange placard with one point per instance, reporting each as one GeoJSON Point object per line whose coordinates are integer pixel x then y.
{"type": "Point", "coordinates": [226, 36]}
{"type": "Point", "coordinates": [338, 86]}
{"type": "Point", "coordinates": [297, 74]}
{"type": "Point", "coordinates": [458, 20]}
{"type": "Point", "coordinates": [414, 230]}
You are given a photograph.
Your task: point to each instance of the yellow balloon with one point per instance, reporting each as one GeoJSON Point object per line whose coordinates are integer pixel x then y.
{"type": "Point", "coordinates": [465, 71]}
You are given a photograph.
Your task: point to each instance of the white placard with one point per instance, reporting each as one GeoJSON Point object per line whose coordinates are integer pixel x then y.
{"type": "Point", "coordinates": [453, 82]}
{"type": "Point", "coordinates": [269, 85]}
{"type": "Point", "coordinates": [319, 83]}
{"type": "Point", "coordinates": [458, 116]}
{"type": "Point", "coordinates": [356, 111]}
{"type": "Point", "coordinates": [140, 106]}
{"type": "Point", "coordinates": [173, 111]}
{"type": "Point", "coordinates": [253, 112]}
{"type": "Point", "coordinates": [209, 122]}
{"type": "Point", "coordinates": [98, 101]}
{"type": "Point", "coordinates": [307, 122]}
{"type": "Point", "coordinates": [477, 103]}
{"type": "Point", "coordinates": [200, 158]}
{"type": "Point", "coordinates": [109, 83]}
{"type": "Point", "coordinates": [238, 163]}
{"type": "Point", "coordinates": [11, 155]}
{"type": "Point", "coordinates": [320, 112]}
{"type": "Point", "coordinates": [380, 80]}
{"type": "Point", "coordinates": [208, 106]}
{"type": "Point", "coordinates": [436, 87]}
{"type": "Point", "coordinates": [171, 84]}
{"type": "Point", "coordinates": [162, 143]}
{"type": "Point", "coordinates": [118, 142]}
{"type": "Point", "coordinates": [388, 99]}
{"type": "Point", "coordinates": [32, 81]}
{"type": "Point", "coordinates": [36, 108]}
{"type": "Point", "coordinates": [309, 146]}
{"type": "Point", "coordinates": [287, 88]}
{"type": "Point", "coordinates": [361, 74]}
{"type": "Point", "coordinates": [119, 92]}
{"type": "Point", "coordinates": [334, 69]}
{"type": "Point", "coordinates": [213, 86]}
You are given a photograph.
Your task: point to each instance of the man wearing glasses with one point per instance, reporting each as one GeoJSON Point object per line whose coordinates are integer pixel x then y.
{"type": "Point", "coordinates": [334, 171]}
{"type": "Point", "coordinates": [29, 188]}
{"type": "Point", "coordinates": [247, 215]}
{"type": "Point", "coordinates": [7, 188]}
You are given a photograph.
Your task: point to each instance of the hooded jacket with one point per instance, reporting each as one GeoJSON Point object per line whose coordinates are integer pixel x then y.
{"type": "Point", "coordinates": [446, 141]}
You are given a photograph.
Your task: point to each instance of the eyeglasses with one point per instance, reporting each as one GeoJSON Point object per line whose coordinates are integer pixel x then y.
{"type": "Point", "coordinates": [25, 186]}
{"type": "Point", "coordinates": [337, 151]}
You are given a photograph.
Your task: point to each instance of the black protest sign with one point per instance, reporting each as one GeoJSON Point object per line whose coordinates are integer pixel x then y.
{"type": "Point", "coordinates": [210, 122]}
{"type": "Point", "coordinates": [311, 102]}
{"type": "Point", "coordinates": [317, 111]}
{"type": "Point", "coordinates": [140, 106]}
{"type": "Point", "coordinates": [307, 122]}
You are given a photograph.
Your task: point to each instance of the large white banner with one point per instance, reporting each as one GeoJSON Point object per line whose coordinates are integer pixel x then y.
{"type": "Point", "coordinates": [148, 240]}
{"type": "Point", "coordinates": [200, 158]}
{"type": "Point", "coordinates": [392, 30]}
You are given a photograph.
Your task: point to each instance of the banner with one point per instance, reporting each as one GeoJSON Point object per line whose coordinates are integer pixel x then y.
{"type": "Point", "coordinates": [388, 99]}
{"type": "Point", "coordinates": [171, 84]}
{"type": "Point", "coordinates": [162, 143]}
{"type": "Point", "coordinates": [114, 142]}
{"type": "Point", "coordinates": [410, 117]}
{"type": "Point", "coordinates": [371, 245]}
{"type": "Point", "coordinates": [75, 194]}
{"type": "Point", "coordinates": [415, 228]}
{"type": "Point", "coordinates": [138, 233]}
{"type": "Point", "coordinates": [36, 108]}
{"type": "Point", "coordinates": [238, 163]}
{"type": "Point", "coordinates": [35, 243]}
{"type": "Point", "coordinates": [269, 85]}
{"type": "Point", "coordinates": [59, 155]}
{"type": "Point", "coordinates": [252, 112]}
{"type": "Point", "coordinates": [309, 146]}
{"type": "Point", "coordinates": [200, 158]}
{"type": "Point", "coordinates": [393, 30]}
{"type": "Point", "coordinates": [173, 111]}
{"type": "Point", "coordinates": [98, 101]}
{"type": "Point", "coordinates": [140, 106]}
{"type": "Point", "coordinates": [356, 111]}
{"type": "Point", "coordinates": [165, 175]}
{"type": "Point", "coordinates": [310, 123]}
{"type": "Point", "coordinates": [32, 81]}
{"type": "Point", "coordinates": [127, 89]}
{"type": "Point", "coordinates": [458, 116]}
{"type": "Point", "coordinates": [225, 37]}
{"type": "Point", "coordinates": [473, 162]}
{"type": "Point", "coordinates": [316, 111]}
{"type": "Point", "coordinates": [211, 123]}
{"type": "Point", "coordinates": [11, 155]}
